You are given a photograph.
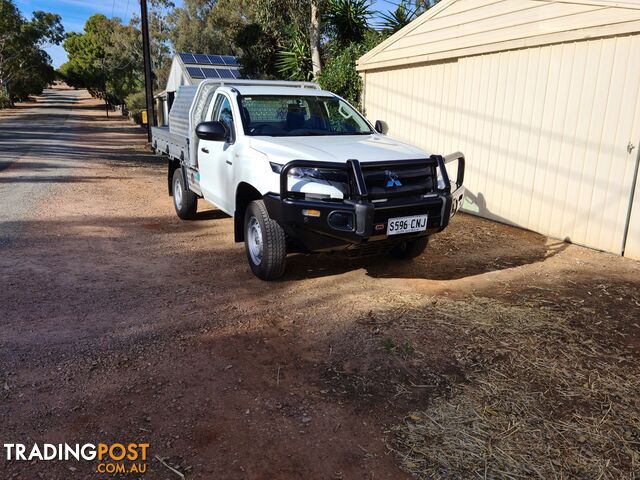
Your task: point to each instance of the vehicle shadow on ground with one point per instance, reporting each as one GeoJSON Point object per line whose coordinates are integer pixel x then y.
{"type": "Point", "coordinates": [470, 246]}
{"type": "Point", "coordinates": [488, 246]}
{"type": "Point", "coordinates": [213, 214]}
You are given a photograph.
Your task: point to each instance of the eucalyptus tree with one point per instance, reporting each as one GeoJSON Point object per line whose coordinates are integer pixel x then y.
{"type": "Point", "coordinates": [25, 67]}
{"type": "Point", "coordinates": [160, 34]}
{"type": "Point", "coordinates": [106, 59]}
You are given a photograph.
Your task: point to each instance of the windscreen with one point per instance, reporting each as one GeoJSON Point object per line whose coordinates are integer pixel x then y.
{"type": "Point", "coordinates": [299, 116]}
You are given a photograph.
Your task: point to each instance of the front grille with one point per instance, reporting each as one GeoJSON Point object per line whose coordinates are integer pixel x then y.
{"type": "Point", "coordinates": [391, 181]}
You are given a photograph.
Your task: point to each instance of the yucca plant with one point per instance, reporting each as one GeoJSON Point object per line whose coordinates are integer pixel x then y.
{"type": "Point", "coordinates": [295, 63]}
{"type": "Point", "coordinates": [349, 19]}
{"type": "Point", "coordinates": [399, 18]}
{"type": "Point", "coordinates": [404, 14]}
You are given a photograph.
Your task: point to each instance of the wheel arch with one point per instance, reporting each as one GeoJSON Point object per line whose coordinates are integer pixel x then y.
{"type": "Point", "coordinates": [173, 165]}
{"type": "Point", "coordinates": [245, 194]}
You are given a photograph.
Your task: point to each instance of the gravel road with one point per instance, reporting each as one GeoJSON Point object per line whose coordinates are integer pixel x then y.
{"type": "Point", "coordinates": [32, 145]}
{"type": "Point", "coordinates": [121, 323]}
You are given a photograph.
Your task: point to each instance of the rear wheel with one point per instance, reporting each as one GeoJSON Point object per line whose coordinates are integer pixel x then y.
{"type": "Point", "coordinates": [184, 200]}
{"type": "Point", "coordinates": [265, 242]}
{"type": "Point", "coordinates": [410, 248]}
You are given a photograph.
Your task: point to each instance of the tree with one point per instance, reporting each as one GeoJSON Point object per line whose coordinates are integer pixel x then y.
{"type": "Point", "coordinates": [346, 36]}
{"type": "Point", "coordinates": [160, 31]}
{"type": "Point", "coordinates": [296, 63]}
{"type": "Point", "coordinates": [404, 14]}
{"type": "Point", "coordinates": [314, 39]}
{"type": "Point", "coordinates": [272, 27]}
{"type": "Point", "coordinates": [25, 68]}
{"type": "Point", "coordinates": [207, 26]}
{"type": "Point", "coordinates": [124, 61]}
{"type": "Point", "coordinates": [348, 20]}
{"type": "Point", "coordinates": [105, 59]}
{"type": "Point", "coordinates": [33, 77]}
{"type": "Point", "coordinates": [87, 66]}
{"type": "Point", "coordinates": [258, 52]}
{"type": "Point", "coordinates": [339, 74]}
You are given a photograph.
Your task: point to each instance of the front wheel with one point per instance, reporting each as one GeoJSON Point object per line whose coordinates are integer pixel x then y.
{"type": "Point", "coordinates": [265, 242]}
{"type": "Point", "coordinates": [184, 200]}
{"type": "Point", "coordinates": [410, 248]}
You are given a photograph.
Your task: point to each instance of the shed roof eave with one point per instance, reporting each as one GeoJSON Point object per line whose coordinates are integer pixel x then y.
{"type": "Point", "coordinates": [624, 28]}
{"type": "Point", "coordinates": [433, 11]}
{"type": "Point", "coordinates": [601, 3]}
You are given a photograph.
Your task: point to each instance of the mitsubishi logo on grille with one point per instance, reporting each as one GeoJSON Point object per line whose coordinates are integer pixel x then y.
{"type": "Point", "coordinates": [392, 179]}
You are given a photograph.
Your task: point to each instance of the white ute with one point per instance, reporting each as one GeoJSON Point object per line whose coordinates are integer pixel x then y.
{"type": "Point", "coordinates": [300, 170]}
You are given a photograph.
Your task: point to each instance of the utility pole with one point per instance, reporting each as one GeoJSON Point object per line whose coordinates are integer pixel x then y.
{"type": "Point", "coordinates": [148, 79]}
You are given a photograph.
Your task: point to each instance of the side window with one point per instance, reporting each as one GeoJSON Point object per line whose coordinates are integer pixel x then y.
{"type": "Point", "coordinates": [222, 113]}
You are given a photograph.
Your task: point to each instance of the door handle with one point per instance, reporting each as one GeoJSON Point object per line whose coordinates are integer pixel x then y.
{"type": "Point", "coordinates": [229, 163]}
{"type": "Point", "coordinates": [205, 150]}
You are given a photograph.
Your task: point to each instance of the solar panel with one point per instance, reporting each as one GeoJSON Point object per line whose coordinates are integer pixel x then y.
{"type": "Point", "coordinates": [210, 73]}
{"type": "Point", "coordinates": [201, 58]}
{"type": "Point", "coordinates": [229, 60]}
{"type": "Point", "coordinates": [216, 59]}
{"type": "Point", "coordinates": [187, 58]}
{"type": "Point", "coordinates": [195, 72]}
{"type": "Point", "coordinates": [224, 73]}
{"type": "Point", "coordinates": [235, 73]}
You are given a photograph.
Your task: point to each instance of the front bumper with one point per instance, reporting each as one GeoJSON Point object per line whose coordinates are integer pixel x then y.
{"type": "Point", "coordinates": [369, 218]}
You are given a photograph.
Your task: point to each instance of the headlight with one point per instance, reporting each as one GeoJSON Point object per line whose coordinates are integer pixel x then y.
{"type": "Point", "coordinates": [318, 183]}
{"type": "Point", "coordinates": [319, 174]}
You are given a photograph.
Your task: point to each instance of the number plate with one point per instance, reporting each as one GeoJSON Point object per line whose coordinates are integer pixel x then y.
{"type": "Point", "coordinates": [398, 225]}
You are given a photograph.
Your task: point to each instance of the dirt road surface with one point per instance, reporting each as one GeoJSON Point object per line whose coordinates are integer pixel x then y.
{"type": "Point", "coordinates": [121, 323]}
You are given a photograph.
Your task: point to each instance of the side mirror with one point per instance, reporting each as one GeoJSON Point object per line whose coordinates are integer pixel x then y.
{"type": "Point", "coordinates": [214, 131]}
{"type": "Point", "coordinates": [381, 127]}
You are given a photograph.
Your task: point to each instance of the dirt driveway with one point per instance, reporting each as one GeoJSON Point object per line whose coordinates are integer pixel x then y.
{"type": "Point", "coordinates": [121, 323]}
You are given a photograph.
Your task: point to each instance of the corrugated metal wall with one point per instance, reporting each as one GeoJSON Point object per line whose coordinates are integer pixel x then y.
{"type": "Point", "coordinates": [545, 132]}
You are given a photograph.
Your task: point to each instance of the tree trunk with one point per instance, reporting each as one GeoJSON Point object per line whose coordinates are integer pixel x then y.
{"type": "Point", "coordinates": [314, 37]}
{"type": "Point", "coordinates": [106, 106]}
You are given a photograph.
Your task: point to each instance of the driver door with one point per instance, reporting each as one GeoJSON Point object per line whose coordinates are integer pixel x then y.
{"type": "Point", "coordinates": [216, 158]}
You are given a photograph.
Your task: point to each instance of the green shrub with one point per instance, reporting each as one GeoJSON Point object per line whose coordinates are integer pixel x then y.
{"type": "Point", "coordinates": [5, 101]}
{"type": "Point", "coordinates": [136, 103]}
{"type": "Point", "coordinates": [339, 73]}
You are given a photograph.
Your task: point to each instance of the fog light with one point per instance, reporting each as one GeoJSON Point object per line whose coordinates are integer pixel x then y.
{"type": "Point", "coordinates": [311, 213]}
{"type": "Point", "coordinates": [341, 220]}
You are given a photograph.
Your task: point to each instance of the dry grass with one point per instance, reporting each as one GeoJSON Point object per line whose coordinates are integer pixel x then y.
{"type": "Point", "coordinates": [546, 396]}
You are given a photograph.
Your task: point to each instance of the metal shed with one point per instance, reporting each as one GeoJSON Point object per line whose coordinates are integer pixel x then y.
{"type": "Point", "coordinates": [543, 98]}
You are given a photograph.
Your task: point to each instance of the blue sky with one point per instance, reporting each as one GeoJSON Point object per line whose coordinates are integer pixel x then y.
{"type": "Point", "coordinates": [75, 12]}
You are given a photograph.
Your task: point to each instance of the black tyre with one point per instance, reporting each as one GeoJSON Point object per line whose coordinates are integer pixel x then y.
{"type": "Point", "coordinates": [184, 200]}
{"type": "Point", "coordinates": [410, 248]}
{"type": "Point", "coordinates": [265, 242]}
